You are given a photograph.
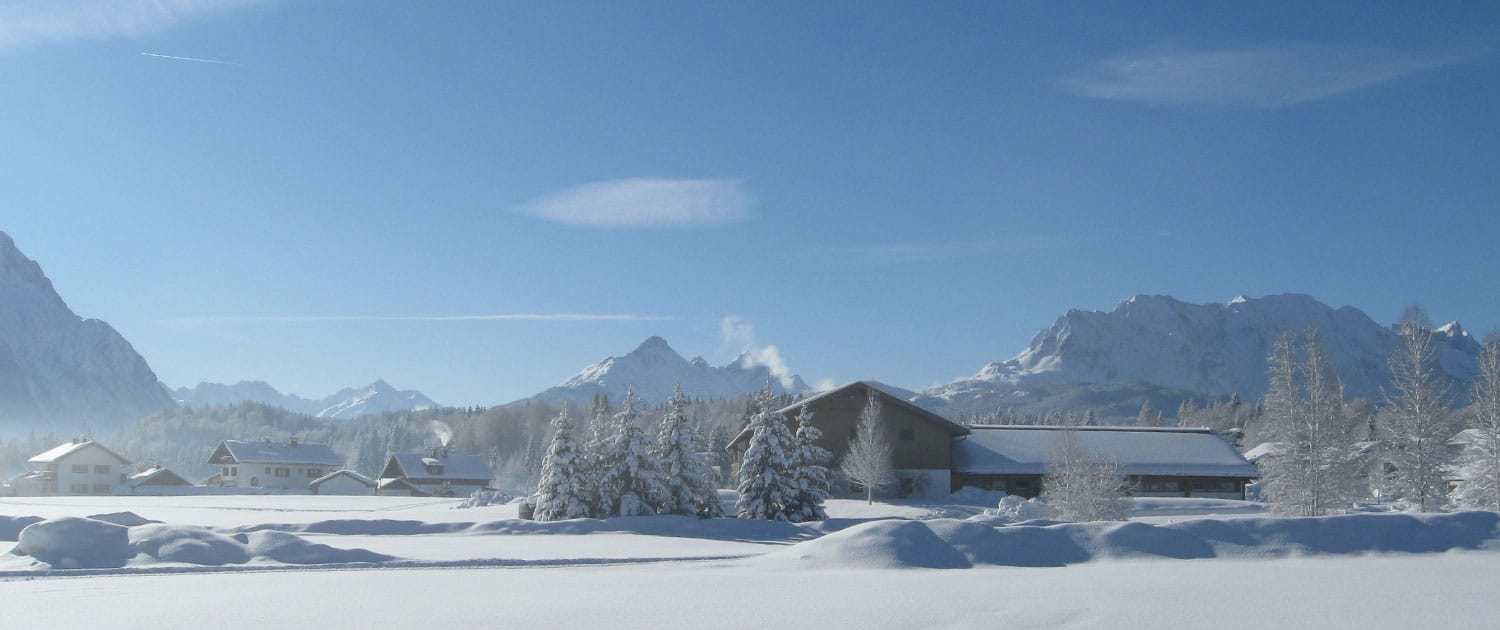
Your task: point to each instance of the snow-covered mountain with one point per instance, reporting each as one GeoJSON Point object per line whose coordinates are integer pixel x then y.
{"type": "Point", "coordinates": [351, 402]}
{"type": "Point", "coordinates": [60, 372]}
{"type": "Point", "coordinates": [654, 368]}
{"type": "Point", "coordinates": [1207, 348]}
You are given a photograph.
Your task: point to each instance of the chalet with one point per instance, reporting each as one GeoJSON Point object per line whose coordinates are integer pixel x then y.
{"type": "Point", "coordinates": [157, 480]}
{"type": "Point", "coordinates": [286, 466]}
{"type": "Point", "coordinates": [435, 474]}
{"type": "Point", "coordinates": [934, 456]}
{"type": "Point", "coordinates": [80, 467]}
{"type": "Point", "coordinates": [345, 482]}
{"type": "Point", "coordinates": [921, 441]}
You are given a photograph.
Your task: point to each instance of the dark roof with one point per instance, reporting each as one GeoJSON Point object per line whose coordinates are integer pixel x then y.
{"type": "Point", "coordinates": [158, 476]}
{"type": "Point", "coordinates": [952, 427]}
{"type": "Point", "coordinates": [1149, 451]}
{"type": "Point", "coordinates": [417, 468]}
{"type": "Point", "coordinates": [368, 482]}
{"type": "Point", "coordinates": [240, 451]}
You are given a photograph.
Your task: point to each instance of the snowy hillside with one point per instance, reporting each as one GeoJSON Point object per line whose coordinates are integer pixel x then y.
{"type": "Point", "coordinates": [1208, 348]}
{"type": "Point", "coordinates": [654, 368]}
{"type": "Point", "coordinates": [59, 372]}
{"type": "Point", "coordinates": [351, 402]}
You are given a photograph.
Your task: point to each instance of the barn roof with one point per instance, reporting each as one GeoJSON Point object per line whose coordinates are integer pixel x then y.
{"type": "Point", "coordinates": [1166, 451]}
{"type": "Point", "coordinates": [157, 476]}
{"type": "Point", "coordinates": [64, 450]}
{"type": "Point", "coordinates": [368, 482]}
{"type": "Point", "coordinates": [887, 396]}
{"type": "Point", "coordinates": [417, 468]}
{"type": "Point", "coordinates": [263, 452]}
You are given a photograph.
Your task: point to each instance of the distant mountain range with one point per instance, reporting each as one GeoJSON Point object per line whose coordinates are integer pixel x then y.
{"type": "Point", "coordinates": [654, 368]}
{"type": "Point", "coordinates": [1163, 344]}
{"type": "Point", "coordinates": [60, 372]}
{"type": "Point", "coordinates": [352, 402]}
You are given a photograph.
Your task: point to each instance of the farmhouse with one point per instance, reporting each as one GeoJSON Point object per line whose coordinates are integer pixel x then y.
{"type": "Point", "coordinates": [345, 482]}
{"type": "Point", "coordinates": [934, 456]}
{"type": "Point", "coordinates": [287, 466]}
{"type": "Point", "coordinates": [79, 467]}
{"type": "Point", "coordinates": [434, 474]}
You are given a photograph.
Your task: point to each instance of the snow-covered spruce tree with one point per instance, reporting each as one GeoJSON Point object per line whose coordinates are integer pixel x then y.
{"type": "Point", "coordinates": [766, 480]}
{"type": "Point", "coordinates": [1418, 424]}
{"type": "Point", "coordinates": [868, 463]}
{"type": "Point", "coordinates": [1082, 487]}
{"type": "Point", "coordinates": [691, 483]}
{"type": "Point", "coordinates": [809, 474]}
{"type": "Point", "coordinates": [631, 482]}
{"type": "Point", "coordinates": [1148, 416]}
{"type": "Point", "coordinates": [564, 491]}
{"type": "Point", "coordinates": [1481, 461]}
{"type": "Point", "coordinates": [1314, 470]}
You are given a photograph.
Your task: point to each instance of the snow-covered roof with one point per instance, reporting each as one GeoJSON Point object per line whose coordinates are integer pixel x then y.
{"type": "Point", "coordinates": [415, 467]}
{"type": "Point", "coordinates": [272, 453]}
{"type": "Point", "coordinates": [343, 473]}
{"type": "Point", "coordinates": [1165, 451]}
{"type": "Point", "coordinates": [63, 450]}
{"type": "Point", "coordinates": [157, 476]}
{"type": "Point", "coordinates": [891, 394]}
{"type": "Point", "coordinates": [1264, 449]}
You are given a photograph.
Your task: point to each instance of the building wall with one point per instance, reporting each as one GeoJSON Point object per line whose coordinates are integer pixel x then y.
{"type": "Point", "coordinates": [931, 483]}
{"type": "Point", "coordinates": [917, 443]}
{"type": "Point", "coordinates": [89, 471]}
{"type": "Point", "coordinates": [269, 475]}
{"type": "Point", "coordinates": [1031, 485]}
{"type": "Point", "coordinates": [448, 489]}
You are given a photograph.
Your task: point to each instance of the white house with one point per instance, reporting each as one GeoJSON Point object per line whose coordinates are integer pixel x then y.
{"type": "Point", "coordinates": [346, 482]}
{"type": "Point", "coordinates": [77, 468]}
{"type": "Point", "coordinates": [265, 464]}
{"type": "Point", "coordinates": [437, 473]}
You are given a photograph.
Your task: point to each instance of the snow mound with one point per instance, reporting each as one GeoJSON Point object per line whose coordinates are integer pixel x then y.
{"type": "Point", "coordinates": [70, 542]}
{"type": "Point", "coordinates": [11, 526]}
{"type": "Point", "coordinates": [186, 543]}
{"type": "Point", "coordinates": [293, 549]}
{"type": "Point", "coordinates": [485, 498]}
{"type": "Point", "coordinates": [123, 519]}
{"type": "Point", "coordinates": [1014, 509]}
{"type": "Point", "coordinates": [878, 545]}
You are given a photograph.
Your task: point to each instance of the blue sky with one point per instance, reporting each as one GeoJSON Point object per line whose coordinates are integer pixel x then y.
{"type": "Point", "coordinates": [478, 199]}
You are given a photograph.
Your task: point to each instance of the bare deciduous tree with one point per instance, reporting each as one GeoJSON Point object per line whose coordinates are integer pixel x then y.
{"type": "Point", "coordinates": [1081, 486]}
{"type": "Point", "coordinates": [868, 462]}
{"type": "Point", "coordinates": [1419, 422]}
{"type": "Point", "coordinates": [1481, 461]}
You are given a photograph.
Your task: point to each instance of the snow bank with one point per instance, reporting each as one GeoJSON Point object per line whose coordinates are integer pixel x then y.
{"type": "Point", "coordinates": [674, 526]}
{"type": "Point", "coordinates": [903, 544]}
{"type": "Point", "coordinates": [875, 545]}
{"type": "Point", "coordinates": [123, 519]}
{"type": "Point", "coordinates": [11, 526]}
{"type": "Point", "coordinates": [75, 543]}
{"type": "Point", "coordinates": [485, 498]}
{"type": "Point", "coordinates": [85, 543]}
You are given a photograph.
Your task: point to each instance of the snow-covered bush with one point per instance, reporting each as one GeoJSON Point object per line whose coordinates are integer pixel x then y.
{"type": "Point", "coordinates": [1015, 509]}
{"type": "Point", "coordinates": [482, 498]}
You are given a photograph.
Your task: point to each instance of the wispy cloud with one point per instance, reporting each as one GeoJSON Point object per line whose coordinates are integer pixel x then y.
{"type": "Point", "coordinates": [739, 334]}
{"type": "Point", "coordinates": [28, 24]}
{"type": "Point", "coordinates": [501, 317]}
{"type": "Point", "coordinates": [646, 203]}
{"type": "Point", "coordinates": [901, 253]}
{"type": "Point", "coordinates": [193, 59]}
{"type": "Point", "coordinates": [1247, 78]}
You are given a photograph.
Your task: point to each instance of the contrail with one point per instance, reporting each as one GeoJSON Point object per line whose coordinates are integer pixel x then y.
{"type": "Point", "coordinates": [214, 61]}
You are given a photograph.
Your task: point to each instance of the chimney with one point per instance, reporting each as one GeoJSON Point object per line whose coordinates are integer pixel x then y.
{"type": "Point", "coordinates": [445, 452]}
{"type": "Point", "coordinates": [435, 452]}
{"type": "Point", "coordinates": [292, 441]}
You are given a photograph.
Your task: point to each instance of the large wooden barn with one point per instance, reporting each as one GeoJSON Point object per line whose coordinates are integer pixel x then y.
{"type": "Point", "coordinates": [934, 456]}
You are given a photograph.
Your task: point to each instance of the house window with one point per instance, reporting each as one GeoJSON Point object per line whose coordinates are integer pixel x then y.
{"type": "Point", "coordinates": [908, 435]}
{"type": "Point", "coordinates": [234, 471]}
{"type": "Point", "coordinates": [1213, 485]}
{"type": "Point", "coordinates": [314, 473]}
{"type": "Point", "coordinates": [227, 473]}
{"type": "Point", "coordinates": [80, 469]}
{"type": "Point", "coordinates": [1161, 485]}
{"type": "Point", "coordinates": [101, 488]}
{"type": "Point", "coordinates": [268, 470]}
{"type": "Point", "coordinates": [101, 469]}
{"type": "Point", "coordinates": [908, 486]}
{"type": "Point", "coordinates": [78, 488]}
{"type": "Point", "coordinates": [283, 472]}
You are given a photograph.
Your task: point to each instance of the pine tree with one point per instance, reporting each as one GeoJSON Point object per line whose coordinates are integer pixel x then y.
{"type": "Point", "coordinates": [1481, 459]}
{"type": "Point", "coordinates": [564, 491]}
{"type": "Point", "coordinates": [766, 482]}
{"type": "Point", "coordinates": [868, 462]}
{"type": "Point", "coordinates": [1148, 416]}
{"type": "Point", "coordinates": [810, 476]}
{"type": "Point", "coordinates": [630, 479]}
{"type": "Point", "coordinates": [1419, 422]}
{"type": "Point", "coordinates": [691, 483]}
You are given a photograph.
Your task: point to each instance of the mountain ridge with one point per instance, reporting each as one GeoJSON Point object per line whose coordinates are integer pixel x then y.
{"type": "Point", "coordinates": [653, 369]}
{"type": "Point", "coordinates": [349, 402]}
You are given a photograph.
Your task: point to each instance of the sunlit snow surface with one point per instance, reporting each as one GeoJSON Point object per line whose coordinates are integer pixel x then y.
{"type": "Point", "coordinates": [1183, 563]}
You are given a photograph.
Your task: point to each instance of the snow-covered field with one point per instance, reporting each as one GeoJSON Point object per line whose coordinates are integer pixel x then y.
{"type": "Point", "coordinates": [247, 561]}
